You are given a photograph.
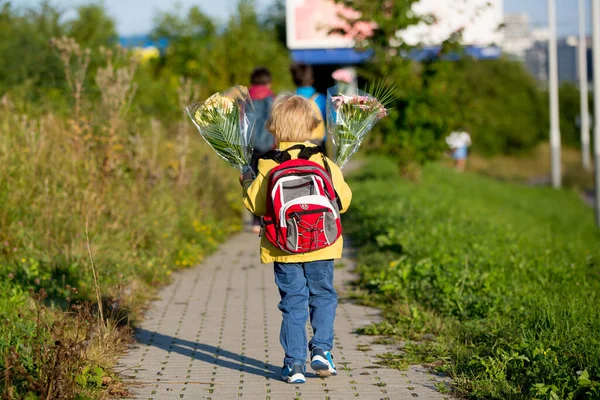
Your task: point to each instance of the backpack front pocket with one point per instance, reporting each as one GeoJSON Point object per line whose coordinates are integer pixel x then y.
{"type": "Point", "coordinates": [310, 230]}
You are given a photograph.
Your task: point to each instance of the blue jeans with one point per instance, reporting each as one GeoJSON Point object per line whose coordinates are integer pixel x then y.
{"type": "Point", "coordinates": [304, 287]}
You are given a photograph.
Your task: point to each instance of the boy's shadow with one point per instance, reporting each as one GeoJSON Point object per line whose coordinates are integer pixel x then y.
{"type": "Point", "coordinates": [208, 354]}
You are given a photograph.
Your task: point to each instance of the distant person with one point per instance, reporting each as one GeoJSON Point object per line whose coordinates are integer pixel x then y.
{"type": "Point", "coordinates": [459, 143]}
{"type": "Point", "coordinates": [346, 79]}
{"type": "Point", "coordinates": [263, 141]}
{"type": "Point", "coordinates": [303, 77]}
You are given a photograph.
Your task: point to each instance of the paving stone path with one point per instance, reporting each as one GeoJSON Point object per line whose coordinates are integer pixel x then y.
{"type": "Point", "coordinates": [214, 334]}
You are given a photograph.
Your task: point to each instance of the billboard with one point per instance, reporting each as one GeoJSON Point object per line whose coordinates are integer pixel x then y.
{"type": "Point", "coordinates": [479, 20]}
{"type": "Point", "coordinates": [309, 22]}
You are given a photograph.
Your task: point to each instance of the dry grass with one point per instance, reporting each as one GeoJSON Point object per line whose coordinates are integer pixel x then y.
{"type": "Point", "coordinates": [104, 203]}
{"type": "Point", "coordinates": [534, 168]}
{"type": "Point", "coordinates": [73, 354]}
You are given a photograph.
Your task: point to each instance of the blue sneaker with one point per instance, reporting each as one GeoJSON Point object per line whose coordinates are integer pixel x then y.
{"type": "Point", "coordinates": [322, 362]}
{"type": "Point", "coordinates": [293, 373]}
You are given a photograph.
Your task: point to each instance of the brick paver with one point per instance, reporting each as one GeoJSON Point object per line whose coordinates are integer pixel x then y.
{"type": "Point", "coordinates": [214, 334]}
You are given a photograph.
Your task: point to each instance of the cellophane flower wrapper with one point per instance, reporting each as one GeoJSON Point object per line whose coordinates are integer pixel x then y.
{"type": "Point", "coordinates": [351, 114]}
{"type": "Point", "coordinates": [225, 121]}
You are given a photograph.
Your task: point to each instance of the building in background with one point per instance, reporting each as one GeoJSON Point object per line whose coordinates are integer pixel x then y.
{"type": "Point", "coordinates": [568, 64]}
{"type": "Point", "coordinates": [536, 60]}
{"type": "Point", "coordinates": [517, 35]}
{"type": "Point", "coordinates": [531, 47]}
{"type": "Point", "coordinates": [540, 34]}
{"type": "Point", "coordinates": [479, 21]}
{"type": "Point", "coordinates": [308, 26]}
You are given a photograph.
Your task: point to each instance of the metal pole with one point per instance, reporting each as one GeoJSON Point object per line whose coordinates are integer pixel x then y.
{"type": "Point", "coordinates": [554, 123]}
{"type": "Point", "coordinates": [596, 54]}
{"type": "Point", "coordinates": [583, 90]}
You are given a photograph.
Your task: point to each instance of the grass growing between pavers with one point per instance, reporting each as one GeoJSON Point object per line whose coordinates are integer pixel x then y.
{"type": "Point", "coordinates": [493, 283]}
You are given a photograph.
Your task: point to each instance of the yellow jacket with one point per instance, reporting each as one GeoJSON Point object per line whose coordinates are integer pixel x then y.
{"type": "Point", "coordinates": [255, 200]}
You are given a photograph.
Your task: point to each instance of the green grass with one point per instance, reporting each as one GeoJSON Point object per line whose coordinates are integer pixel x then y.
{"type": "Point", "coordinates": [504, 278]}
{"type": "Point", "coordinates": [140, 199]}
{"type": "Point", "coordinates": [144, 222]}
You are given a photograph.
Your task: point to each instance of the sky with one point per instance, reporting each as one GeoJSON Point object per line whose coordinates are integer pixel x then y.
{"type": "Point", "coordinates": [566, 12]}
{"type": "Point", "coordinates": [135, 16]}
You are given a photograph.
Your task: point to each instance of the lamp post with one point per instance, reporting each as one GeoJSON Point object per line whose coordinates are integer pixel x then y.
{"type": "Point", "coordinates": [583, 90]}
{"type": "Point", "coordinates": [596, 40]}
{"type": "Point", "coordinates": [554, 122]}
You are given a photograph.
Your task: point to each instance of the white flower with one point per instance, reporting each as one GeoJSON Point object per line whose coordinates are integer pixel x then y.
{"type": "Point", "coordinates": [213, 103]}
{"type": "Point", "coordinates": [216, 101]}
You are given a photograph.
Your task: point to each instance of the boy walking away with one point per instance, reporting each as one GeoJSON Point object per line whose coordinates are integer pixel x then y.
{"type": "Point", "coordinates": [303, 77]}
{"type": "Point", "coordinates": [300, 194]}
{"type": "Point", "coordinates": [262, 96]}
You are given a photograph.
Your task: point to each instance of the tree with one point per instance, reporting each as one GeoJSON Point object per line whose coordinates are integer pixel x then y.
{"type": "Point", "coordinates": [190, 37]}
{"type": "Point", "coordinates": [216, 61]}
{"type": "Point", "coordinates": [244, 45]}
{"type": "Point", "coordinates": [569, 114]}
{"type": "Point", "coordinates": [25, 54]}
{"type": "Point", "coordinates": [92, 27]}
{"type": "Point", "coordinates": [31, 69]}
{"type": "Point", "coordinates": [497, 101]}
{"type": "Point", "coordinates": [411, 133]}
{"type": "Point", "coordinates": [507, 113]}
{"type": "Point", "coordinates": [275, 20]}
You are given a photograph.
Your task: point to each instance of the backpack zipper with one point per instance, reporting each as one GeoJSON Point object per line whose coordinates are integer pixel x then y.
{"type": "Point", "coordinates": [319, 210]}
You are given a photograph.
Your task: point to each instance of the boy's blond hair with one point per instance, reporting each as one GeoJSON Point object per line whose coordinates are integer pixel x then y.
{"type": "Point", "coordinates": [292, 119]}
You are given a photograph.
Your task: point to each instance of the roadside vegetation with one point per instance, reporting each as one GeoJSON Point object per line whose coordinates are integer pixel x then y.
{"type": "Point", "coordinates": [96, 210]}
{"type": "Point", "coordinates": [106, 188]}
{"type": "Point", "coordinates": [493, 283]}
{"type": "Point", "coordinates": [533, 167]}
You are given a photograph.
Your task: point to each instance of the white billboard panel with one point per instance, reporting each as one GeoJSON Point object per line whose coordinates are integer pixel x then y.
{"type": "Point", "coordinates": [479, 20]}
{"type": "Point", "coordinates": [309, 23]}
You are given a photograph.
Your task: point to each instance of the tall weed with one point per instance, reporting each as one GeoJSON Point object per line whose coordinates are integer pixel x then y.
{"type": "Point", "coordinates": [105, 202]}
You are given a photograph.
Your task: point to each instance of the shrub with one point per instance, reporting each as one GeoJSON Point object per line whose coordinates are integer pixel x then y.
{"type": "Point", "coordinates": [496, 101]}
{"type": "Point", "coordinates": [102, 203]}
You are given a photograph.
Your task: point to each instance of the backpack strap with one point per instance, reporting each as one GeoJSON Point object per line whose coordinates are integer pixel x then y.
{"type": "Point", "coordinates": [307, 152]}
{"type": "Point", "coordinates": [281, 156]}
{"type": "Point", "coordinates": [326, 165]}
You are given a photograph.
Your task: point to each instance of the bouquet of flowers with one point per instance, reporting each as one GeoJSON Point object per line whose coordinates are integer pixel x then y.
{"type": "Point", "coordinates": [351, 114]}
{"type": "Point", "coordinates": [224, 120]}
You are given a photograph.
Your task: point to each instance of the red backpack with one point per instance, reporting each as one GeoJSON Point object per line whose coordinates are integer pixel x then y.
{"type": "Point", "coordinates": [303, 210]}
